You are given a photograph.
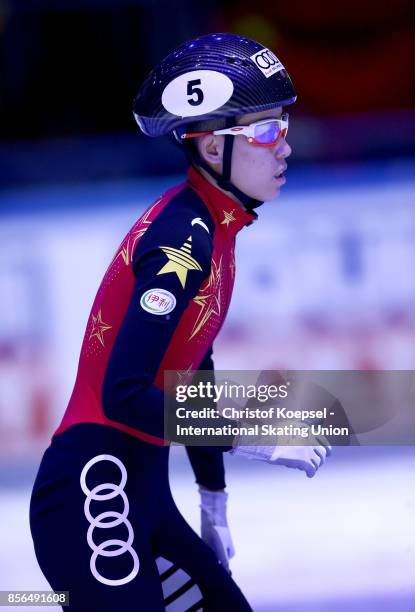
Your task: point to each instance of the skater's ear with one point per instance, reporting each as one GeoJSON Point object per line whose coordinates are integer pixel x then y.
{"type": "Point", "coordinates": [210, 148]}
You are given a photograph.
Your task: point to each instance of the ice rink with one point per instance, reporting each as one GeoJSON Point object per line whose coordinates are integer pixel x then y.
{"type": "Point", "coordinates": [343, 541]}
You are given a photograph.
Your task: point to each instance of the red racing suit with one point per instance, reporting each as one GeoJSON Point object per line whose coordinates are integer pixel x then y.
{"type": "Point", "coordinates": [159, 307]}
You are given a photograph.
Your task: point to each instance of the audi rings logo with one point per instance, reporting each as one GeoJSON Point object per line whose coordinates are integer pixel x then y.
{"type": "Point", "coordinates": [267, 62]}
{"type": "Point", "coordinates": [101, 521]}
{"type": "Point", "coordinates": [265, 59]}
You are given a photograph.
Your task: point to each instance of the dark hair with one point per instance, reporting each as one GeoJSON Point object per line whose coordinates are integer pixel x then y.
{"type": "Point", "coordinates": [203, 126]}
{"type": "Point", "coordinates": [207, 126]}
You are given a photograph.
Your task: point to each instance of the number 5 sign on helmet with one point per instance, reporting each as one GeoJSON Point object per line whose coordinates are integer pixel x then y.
{"type": "Point", "coordinates": [214, 76]}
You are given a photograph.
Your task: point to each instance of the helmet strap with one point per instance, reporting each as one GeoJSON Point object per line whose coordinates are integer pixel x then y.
{"type": "Point", "coordinates": [224, 180]}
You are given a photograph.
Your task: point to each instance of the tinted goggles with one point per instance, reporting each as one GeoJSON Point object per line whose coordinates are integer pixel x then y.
{"type": "Point", "coordinates": [266, 133]}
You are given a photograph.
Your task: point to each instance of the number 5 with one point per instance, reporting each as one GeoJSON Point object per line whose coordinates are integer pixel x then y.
{"type": "Point", "coordinates": [193, 90]}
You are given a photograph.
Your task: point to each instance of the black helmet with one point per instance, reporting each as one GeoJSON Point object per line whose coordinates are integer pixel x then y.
{"type": "Point", "coordinates": [214, 76]}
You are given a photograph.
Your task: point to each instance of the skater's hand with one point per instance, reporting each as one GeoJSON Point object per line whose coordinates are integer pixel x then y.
{"type": "Point", "coordinates": [306, 454]}
{"type": "Point", "coordinates": [306, 458]}
{"type": "Point", "coordinates": [214, 525]}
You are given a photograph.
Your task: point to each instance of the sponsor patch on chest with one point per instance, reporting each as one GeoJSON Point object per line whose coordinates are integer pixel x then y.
{"type": "Point", "coordinates": [158, 301]}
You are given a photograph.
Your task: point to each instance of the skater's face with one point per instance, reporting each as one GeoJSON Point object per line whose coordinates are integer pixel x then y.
{"type": "Point", "coordinates": [256, 169]}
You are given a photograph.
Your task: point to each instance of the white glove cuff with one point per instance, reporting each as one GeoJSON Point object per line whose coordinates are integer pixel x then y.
{"type": "Point", "coordinates": [213, 503]}
{"type": "Point", "coordinates": [213, 500]}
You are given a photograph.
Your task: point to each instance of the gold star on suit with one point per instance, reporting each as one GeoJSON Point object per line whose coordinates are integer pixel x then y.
{"type": "Point", "coordinates": [228, 218]}
{"type": "Point", "coordinates": [183, 375]}
{"type": "Point", "coordinates": [98, 327]}
{"type": "Point", "coordinates": [126, 251]}
{"type": "Point", "coordinates": [232, 265]}
{"type": "Point", "coordinates": [180, 261]}
{"type": "Point", "coordinates": [208, 299]}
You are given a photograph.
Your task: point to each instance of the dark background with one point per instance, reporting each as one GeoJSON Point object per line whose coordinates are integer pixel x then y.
{"type": "Point", "coordinates": [69, 70]}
